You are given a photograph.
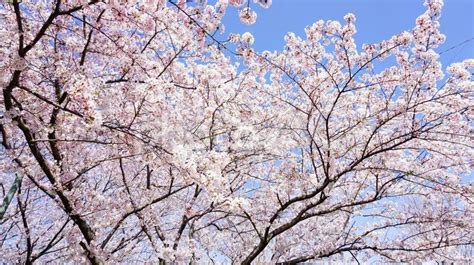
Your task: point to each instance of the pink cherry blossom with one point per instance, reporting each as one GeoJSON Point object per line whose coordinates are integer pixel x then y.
{"type": "Point", "coordinates": [264, 3]}
{"type": "Point", "coordinates": [248, 16]}
{"type": "Point", "coordinates": [131, 134]}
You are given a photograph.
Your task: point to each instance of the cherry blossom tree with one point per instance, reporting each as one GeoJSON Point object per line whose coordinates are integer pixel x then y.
{"type": "Point", "coordinates": [131, 133]}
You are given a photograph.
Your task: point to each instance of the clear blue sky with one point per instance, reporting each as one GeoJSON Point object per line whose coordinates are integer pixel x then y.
{"type": "Point", "coordinates": [376, 20]}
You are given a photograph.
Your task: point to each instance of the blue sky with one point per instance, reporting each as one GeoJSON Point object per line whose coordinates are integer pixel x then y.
{"type": "Point", "coordinates": [376, 20]}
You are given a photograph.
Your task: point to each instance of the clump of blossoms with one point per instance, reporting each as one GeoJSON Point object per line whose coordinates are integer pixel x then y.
{"type": "Point", "coordinates": [248, 16]}
{"type": "Point", "coordinates": [248, 38]}
{"type": "Point", "coordinates": [263, 3]}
